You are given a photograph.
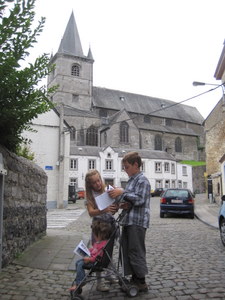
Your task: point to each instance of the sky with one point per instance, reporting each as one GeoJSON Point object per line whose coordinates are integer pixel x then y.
{"type": "Point", "coordinates": [151, 47]}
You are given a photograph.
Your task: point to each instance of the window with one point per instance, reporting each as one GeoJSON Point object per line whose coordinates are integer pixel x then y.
{"type": "Point", "coordinates": [124, 131]}
{"type": "Point", "coordinates": [179, 184]}
{"type": "Point", "coordinates": [158, 142]}
{"type": "Point", "coordinates": [167, 184]}
{"type": "Point", "coordinates": [92, 136]}
{"type": "Point", "coordinates": [173, 184]}
{"type": "Point", "coordinates": [143, 167]}
{"type": "Point", "coordinates": [166, 167]}
{"type": "Point", "coordinates": [72, 134]}
{"type": "Point", "coordinates": [103, 113]}
{"type": "Point", "coordinates": [147, 119]}
{"type": "Point", "coordinates": [158, 167]}
{"type": "Point", "coordinates": [73, 181]}
{"type": "Point", "coordinates": [108, 164]}
{"type": "Point", "coordinates": [105, 137]}
{"type": "Point", "coordinates": [158, 184]}
{"type": "Point", "coordinates": [169, 122]}
{"type": "Point", "coordinates": [172, 168]}
{"type": "Point", "coordinates": [75, 98]}
{"type": "Point", "coordinates": [91, 164]}
{"type": "Point", "coordinates": [73, 164]}
{"type": "Point", "coordinates": [75, 70]}
{"type": "Point", "coordinates": [178, 145]}
{"type": "Point", "coordinates": [184, 170]}
{"type": "Point", "coordinates": [185, 185]}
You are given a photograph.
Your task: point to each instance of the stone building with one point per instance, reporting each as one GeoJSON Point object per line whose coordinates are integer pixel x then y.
{"type": "Point", "coordinates": [101, 117]}
{"type": "Point", "coordinates": [215, 137]}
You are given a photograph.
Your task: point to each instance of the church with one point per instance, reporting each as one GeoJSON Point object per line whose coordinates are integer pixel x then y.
{"type": "Point", "coordinates": [105, 123]}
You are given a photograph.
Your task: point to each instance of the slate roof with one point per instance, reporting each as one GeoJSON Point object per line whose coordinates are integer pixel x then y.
{"type": "Point", "coordinates": [70, 43]}
{"type": "Point", "coordinates": [144, 153]}
{"type": "Point", "coordinates": [140, 104]}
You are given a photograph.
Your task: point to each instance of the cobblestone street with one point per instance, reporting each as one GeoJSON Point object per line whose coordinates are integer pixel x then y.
{"type": "Point", "coordinates": [185, 260]}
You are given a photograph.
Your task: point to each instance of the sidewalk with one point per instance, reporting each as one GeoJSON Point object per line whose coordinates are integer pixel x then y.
{"type": "Point", "coordinates": [205, 211]}
{"type": "Point", "coordinates": [55, 250]}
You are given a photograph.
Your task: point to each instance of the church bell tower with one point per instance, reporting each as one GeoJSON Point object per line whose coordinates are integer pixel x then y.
{"type": "Point", "coordinates": [73, 71]}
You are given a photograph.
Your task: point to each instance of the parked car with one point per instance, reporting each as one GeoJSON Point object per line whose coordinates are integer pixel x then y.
{"type": "Point", "coordinates": [221, 220]}
{"type": "Point", "coordinates": [157, 192]}
{"type": "Point", "coordinates": [72, 194]}
{"type": "Point", "coordinates": [177, 201]}
{"type": "Point", "coordinates": [80, 193]}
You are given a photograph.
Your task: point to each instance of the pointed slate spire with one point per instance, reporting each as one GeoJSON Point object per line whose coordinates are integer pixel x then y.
{"type": "Point", "coordinates": [90, 56]}
{"type": "Point", "coordinates": [70, 43]}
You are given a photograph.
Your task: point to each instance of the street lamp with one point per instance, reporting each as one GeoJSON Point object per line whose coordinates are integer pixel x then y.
{"type": "Point", "coordinates": [196, 83]}
{"type": "Point", "coordinates": [199, 83]}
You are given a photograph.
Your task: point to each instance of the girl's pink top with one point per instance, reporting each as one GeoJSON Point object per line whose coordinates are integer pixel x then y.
{"type": "Point", "coordinates": [96, 250]}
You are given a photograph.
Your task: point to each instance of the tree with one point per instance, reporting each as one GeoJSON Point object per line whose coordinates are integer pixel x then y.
{"type": "Point", "coordinates": [21, 99]}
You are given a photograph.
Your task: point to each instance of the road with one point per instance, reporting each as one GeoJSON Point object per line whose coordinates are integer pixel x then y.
{"type": "Point", "coordinates": [185, 257]}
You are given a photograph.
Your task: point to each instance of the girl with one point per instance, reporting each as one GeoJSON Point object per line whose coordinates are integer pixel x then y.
{"type": "Point", "coordinates": [101, 232]}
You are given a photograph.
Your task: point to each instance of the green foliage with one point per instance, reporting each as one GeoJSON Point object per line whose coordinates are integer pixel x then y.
{"type": "Point", "coordinates": [193, 163]}
{"type": "Point", "coordinates": [21, 99]}
{"type": "Point", "coordinates": [25, 152]}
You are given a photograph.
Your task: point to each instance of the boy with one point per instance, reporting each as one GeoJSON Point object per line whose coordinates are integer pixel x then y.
{"type": "Point", "coordinates": [136, 221]}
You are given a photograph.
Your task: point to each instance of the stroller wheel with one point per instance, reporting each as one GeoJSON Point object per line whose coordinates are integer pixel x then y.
{"type": "Point", "coordinates": [132, 291]}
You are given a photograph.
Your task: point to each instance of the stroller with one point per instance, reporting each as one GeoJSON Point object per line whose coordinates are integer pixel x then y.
{"type": "Point", "coordinates": [104, 263]}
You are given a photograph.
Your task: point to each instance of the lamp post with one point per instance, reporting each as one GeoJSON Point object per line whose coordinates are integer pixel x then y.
{"type": "Point", "coordinates": [199, 83]}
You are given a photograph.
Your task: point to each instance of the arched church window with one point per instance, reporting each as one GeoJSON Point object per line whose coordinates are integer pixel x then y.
{"type": "Point", "coordinates": [124, 132]}
{"type": "Point", "coordinates": [147, 119]}
{"type": "Point", "coordinates": [92, 136]}
{"type": "Point", "coordinates": [75, 70]}
{"type": "Point", "coordinates": [158, 142]}
{"type": "Point", "coordinates": [178, 144]}
{"type": "Point", "coordinates": [72, 133]}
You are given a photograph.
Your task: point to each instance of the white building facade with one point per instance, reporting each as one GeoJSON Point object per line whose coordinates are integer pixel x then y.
{"type": "Point", "coordinates": [161, 170]}
{"type": "Point", "coordinates": [50, 143]}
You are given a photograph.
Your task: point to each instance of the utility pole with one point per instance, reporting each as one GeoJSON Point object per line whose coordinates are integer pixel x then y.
{"type": "Point", "coordinates": [60, 203]}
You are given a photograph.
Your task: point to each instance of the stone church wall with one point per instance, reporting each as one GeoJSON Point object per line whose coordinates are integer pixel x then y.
{"type": "Point", "coordinates": [24, 205]}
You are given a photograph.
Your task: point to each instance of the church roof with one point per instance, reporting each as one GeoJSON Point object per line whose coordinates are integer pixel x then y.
{"type": "Point", "coordinates": [140, 104]}
{"type": "Point", "coordinates": [70, 43]}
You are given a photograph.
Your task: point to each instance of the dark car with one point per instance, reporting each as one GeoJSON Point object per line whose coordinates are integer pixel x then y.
{"type": "Point", "coordinates": [157, 192]}
{"type": "Point", "coordinates": [72, 195]}
{"type": "Point", "coordinates": [221, 220]}
{"type": "Point", "coordinates": [177, 201]}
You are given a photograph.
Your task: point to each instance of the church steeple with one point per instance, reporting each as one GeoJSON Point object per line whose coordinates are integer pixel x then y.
{"type": "Point", "coordinates": [70, 43]}
{"type": "Point", "coordinates": [73, 72]}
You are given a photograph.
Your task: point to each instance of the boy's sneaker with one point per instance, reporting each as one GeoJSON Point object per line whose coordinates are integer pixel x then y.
{"type": "Point", "coordinates": [142, 287]}
{"type": "Point", "coordinates": [111, 279]}
{"type": "Point", "coordinates": [102, 287]}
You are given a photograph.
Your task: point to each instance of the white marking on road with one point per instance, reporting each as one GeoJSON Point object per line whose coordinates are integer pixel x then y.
{"type": "Point", "coordinates": [62, 218]}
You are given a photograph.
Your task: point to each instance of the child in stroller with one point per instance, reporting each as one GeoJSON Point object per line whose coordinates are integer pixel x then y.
{"type": "Point", "coordinates": [101, 231]}
{"type": "Point", "coordinates": [102, 261]}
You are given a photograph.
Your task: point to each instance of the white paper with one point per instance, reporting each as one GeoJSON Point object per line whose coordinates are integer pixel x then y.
{"type": "Point", "coordinates": [81, 249]}
{"type": "Point", "coordinates": [104, 200]}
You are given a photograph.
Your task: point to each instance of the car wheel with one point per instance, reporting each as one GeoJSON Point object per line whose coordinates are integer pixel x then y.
{"type": "Point", "coordinates": [161, 215]}
{"type": "Point", "coordinates": [192, 215]}
{"type": "Point", "coordinates": [222, 231]}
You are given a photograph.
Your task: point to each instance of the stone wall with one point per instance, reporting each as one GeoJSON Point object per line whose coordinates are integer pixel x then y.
{"type": "Point", "coordinates": [199, 180]}
{"type": "Point", "coordinates": [24, 205]}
